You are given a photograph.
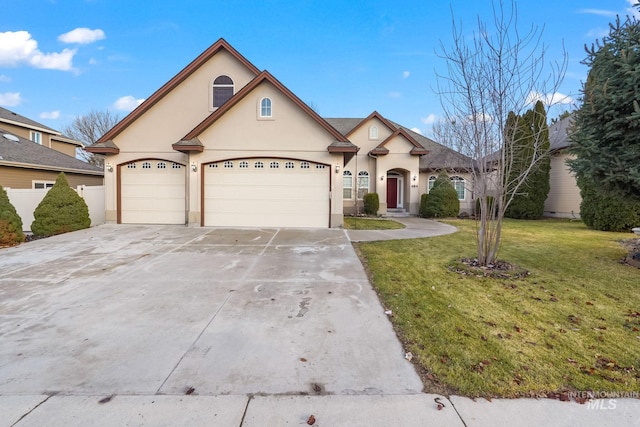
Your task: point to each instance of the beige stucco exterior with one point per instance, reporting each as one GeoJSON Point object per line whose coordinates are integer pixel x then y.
{"type": "Point", "coordinates": [563, 200]}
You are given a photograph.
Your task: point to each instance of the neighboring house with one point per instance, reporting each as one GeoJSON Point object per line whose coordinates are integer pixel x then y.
{"type": "Point", "coordinates": [25, 164]}
{"type": "Point", "coordinates": [225, 144]}
{"type": "Point", "coordinates": [564, 197]}
{"type": "Point", "coordinates": [37, 132]}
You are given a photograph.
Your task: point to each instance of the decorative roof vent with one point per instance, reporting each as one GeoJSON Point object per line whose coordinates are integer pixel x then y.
{"type": "Point", "coordinates": [10, 137]}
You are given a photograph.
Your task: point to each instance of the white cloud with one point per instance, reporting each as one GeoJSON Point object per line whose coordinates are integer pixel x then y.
{"type": "Point", "coordinates": [18, 48]}
{"type": "Point", "coordinates": [10, 99]}
{"type": "Point", "coordinates": [127, 103]}
{"type": "Point", "coordinates": [93, 61]}
{"type": "Point", "coordinates": [429, 120]}
{"type": "Point", "coordinates": [633, 11]}
{"type": "Point", "coordinates": [82, 36]}
{"type": "Point", "coordinates": [416, 130]}
{"type": "Point", "coordinates": [405, 74]}
{"type": "Point", "coordinates": [49, 114]}
{"type": "Point", "coordinates": [4, 79]}
{"type": "Point", "coordinates": [599, 12]}
{"type": "Point", "coordinates": [549, 99]}
{"type": "Point", "coordinates": [394, 94]}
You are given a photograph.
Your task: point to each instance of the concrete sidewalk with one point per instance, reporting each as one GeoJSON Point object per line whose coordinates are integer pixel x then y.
{"type": "Point", "coordinates": [415, 228]}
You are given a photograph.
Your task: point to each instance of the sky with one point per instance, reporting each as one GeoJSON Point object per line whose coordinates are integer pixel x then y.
{"type": "Point", "coordinates": [60, 59]}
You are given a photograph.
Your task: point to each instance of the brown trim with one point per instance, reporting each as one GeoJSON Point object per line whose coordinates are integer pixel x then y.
{"type": "Point", "coordinates": [263, 76]}
{"type": "Point", "coordinates": [417, 150]}
{"type": "Point", "coordinates": [353, 149]}
{"type": "Point", "coordinates": [174, 82]}
{"type": "Point", "coordinates": [202, 182]}
{"type": "Point", "coordinates": [376, 115]}
{"type": "Point", "coordinates": [102, 150]}
{"type": "Point", "coordinates": [119, 182]}
{"type": "Point", "coordinates": [187, 148]}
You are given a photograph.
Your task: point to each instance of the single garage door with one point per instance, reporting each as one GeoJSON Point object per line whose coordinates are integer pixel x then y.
{"type": "Point", "coordinates": [264, 192]}
{"type": "Point", "coordinates": [152, 192]}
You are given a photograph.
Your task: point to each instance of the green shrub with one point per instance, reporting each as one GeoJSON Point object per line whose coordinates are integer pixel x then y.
{"type": "Point", "coordinates": [371, 203]}
{"type": "Point", "coordinates": [443, 199]}
{"type": "Point", "coordinates": [422, 212]}
{"type": "Point", "coordinates": [607, 211]}
{"type": "Point", "coordinates": [10, 222]}
{"type": "Point", "coordinates": [60, 211]}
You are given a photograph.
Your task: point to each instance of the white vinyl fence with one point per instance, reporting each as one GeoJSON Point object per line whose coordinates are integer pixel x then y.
{"type": "Point", "coordinates": [26, 201]}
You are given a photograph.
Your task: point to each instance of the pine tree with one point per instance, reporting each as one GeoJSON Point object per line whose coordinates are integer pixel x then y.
{"type": "Point", "coordinates": [60, 211]}
{"type": "Point", "coordinates": [606, 138]}
{"type": "Point", "coordinates": [528, 202]}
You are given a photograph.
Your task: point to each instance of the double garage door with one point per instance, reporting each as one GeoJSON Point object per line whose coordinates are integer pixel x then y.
{"type": "Point", "coordinates": [266, 192]}
{"type": "Point", "coordinates": [257, 192]}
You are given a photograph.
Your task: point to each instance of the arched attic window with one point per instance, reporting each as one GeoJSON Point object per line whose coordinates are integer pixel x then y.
{"type": "Point", "coordinates": [265, 107]}
{"type": "Point", "coordinates": [222, 90]}
{"type": "Point", "coordinates": [373, 132]}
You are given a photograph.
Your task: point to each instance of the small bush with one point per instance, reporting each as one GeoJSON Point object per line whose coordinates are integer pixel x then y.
{"type": "Point", "coordinates": [60, 211]}
{"type": "Point", "coordinates": [607, 211]}
{"type": "Point", "coordinates": [443, 199]}
{"type": "Point", "coordinates": [10, 222]}
{"type": "Point", "coordinates": [371, 203]}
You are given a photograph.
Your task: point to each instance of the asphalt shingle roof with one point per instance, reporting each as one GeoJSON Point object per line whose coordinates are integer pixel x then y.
{"type": "Point", "coordinates": [28, 152]}
{"type": "Point", "coordinates": [15, 117]}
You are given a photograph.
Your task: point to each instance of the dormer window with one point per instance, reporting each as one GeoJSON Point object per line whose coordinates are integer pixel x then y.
{"type": "Point", "coordinates": [222, 90]}
{"type": "Point", "coordinates": [35, 137]}
{"type": "Point", "coordinates": [373, 132]}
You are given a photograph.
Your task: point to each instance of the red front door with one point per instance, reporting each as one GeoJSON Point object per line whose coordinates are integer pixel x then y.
{"type": "Point", "coordinates": [392, 193]}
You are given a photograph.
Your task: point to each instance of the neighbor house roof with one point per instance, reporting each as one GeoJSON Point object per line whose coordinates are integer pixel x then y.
{"type": "Point", "coordinates": [10, 117]}
{"type": "Point", "coordinates": [20, 152]}
{"type": "Point", "coordinates": [559, 133]}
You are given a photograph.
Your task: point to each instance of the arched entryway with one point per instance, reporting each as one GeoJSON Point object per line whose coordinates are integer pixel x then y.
{"type": "Point", "coordinates": [395, 190]}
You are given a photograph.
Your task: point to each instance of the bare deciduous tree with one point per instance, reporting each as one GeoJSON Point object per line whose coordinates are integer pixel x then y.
{"type": "Point", "coordinates": [88, 129]}
{"type": "Point", "coordinates": [497, 71]}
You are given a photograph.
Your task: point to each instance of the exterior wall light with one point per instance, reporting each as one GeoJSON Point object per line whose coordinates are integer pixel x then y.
{"type": "Point", "coordinates": [337, 167]}
{"type": "Point", "coordinates": [109, 167]}
{"type": "Point", "coordinates": [415, 177]}
{"type": "Point", "coordinates": [381, 177]}
{"type": "Point", "coordinates": [194, 167]}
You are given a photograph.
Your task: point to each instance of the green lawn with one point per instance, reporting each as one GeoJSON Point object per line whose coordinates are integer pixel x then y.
{"type": "Point", "coordinates": [572, 325]}
{"type": "Point", "coordinates": [357, 223]}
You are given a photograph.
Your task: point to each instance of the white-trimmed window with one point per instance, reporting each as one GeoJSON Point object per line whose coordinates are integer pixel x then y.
{"type": "Point", "coordinates": [373, 132]}
{"type": "Point", "coordinates": [222, 90]}
{"type": "Point", "coordinates": [363, 183]}
{"type": "Point", "coordinates": [243, 165]}
{"type": "Point", "coordinates": [305, 165]}
{"type": "Point", "coordinates": [176, 166]}
{"type": "Point", "coordinates": [458, 184]}
{"type": "Point", "coordinates": [228, 164]}
{"type": "Point", "coordinates": [131, 165]}
{"type": "Point", "coordinates": [258, 165]}
{"type": "Point", "coordinates": [289, 165]}
{"type": "Point", "coordinates": [265, 107]}
{"type": "Point", "coordinates": [274, 165]}
{"type": "Point", "coordinates": [42, 184]}
{"type": "Point", "coordinates": [319, 166]}
{"type": "Point", "coordinates": [431, 182]}
{"type": "Point", "coordinates": [146, 165]}
{"type": "Point", "coordinates": [213, 165]}
{"type": "Point", "coordinates": [161, 165]}
{"type": "Point", "coordinates": [35, 137]}
{"type": "Point", "coordinates": [347, 185]}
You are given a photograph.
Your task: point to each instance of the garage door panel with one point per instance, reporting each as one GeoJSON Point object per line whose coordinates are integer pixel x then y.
{"type": "Point", "coordinates": [266, 197]}
{"type": "Point", "coordinates": [154, 195]}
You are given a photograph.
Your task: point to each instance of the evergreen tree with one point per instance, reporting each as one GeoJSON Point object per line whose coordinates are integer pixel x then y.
{"type": "Point", "coordinates": [527, 131]}
{"type": "Point", "coordinates": [60, 211]}
{"type": "Point", "coordinates": [10, 222]}
{"type": "Point", "coordinates": [606, 138]}
{"type": "Point", "coordinates": [607, 211]}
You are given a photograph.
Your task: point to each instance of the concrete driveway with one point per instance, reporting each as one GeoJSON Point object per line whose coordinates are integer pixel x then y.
{"type": "Point", "coordinates": [146, 310]}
